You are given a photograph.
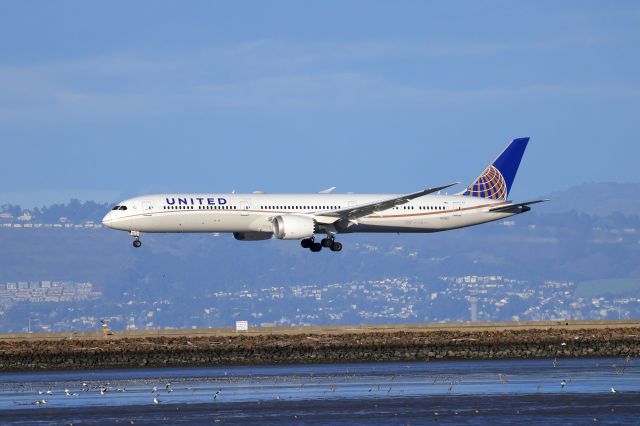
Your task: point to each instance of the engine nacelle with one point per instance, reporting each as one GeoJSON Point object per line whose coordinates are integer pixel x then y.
{"type": "Point", "coordinates": [252, 236]}
{"type": "Point", "coordinates": [293, 227]}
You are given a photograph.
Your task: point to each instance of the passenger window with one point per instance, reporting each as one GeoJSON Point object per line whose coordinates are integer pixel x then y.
{"type": "Point", "coordinates": [115, 208]}
{"type": "Point", "coordinates": [123, 207]}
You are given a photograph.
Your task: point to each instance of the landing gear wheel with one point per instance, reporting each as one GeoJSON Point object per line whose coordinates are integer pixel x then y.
{"type": "Point", "coordinates": [316, 247]}
{"type": "Point", "coordinates": [326, 242]}
{"type": "Point", "coordinates": [137, 243]}
{"type": "Point", "coordinates": [306, 243]}
{"type": "Point", "coordinates": [336, 246]}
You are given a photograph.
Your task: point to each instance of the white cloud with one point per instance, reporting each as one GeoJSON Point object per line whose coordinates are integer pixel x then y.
{"type": "Point", "coordinates": [265, 75]}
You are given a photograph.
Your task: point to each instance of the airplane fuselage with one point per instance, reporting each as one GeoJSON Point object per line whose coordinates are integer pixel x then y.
{"type": "Point", "coordinates": [255, 212]}
{"type": "Point", "coordinates": [260, 216]}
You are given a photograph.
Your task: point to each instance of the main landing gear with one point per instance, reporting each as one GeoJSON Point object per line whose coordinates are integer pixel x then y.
{"type": "Point", "coordinates": [136, 235]}
{"type": "Point", "coordinates": [330, 243]}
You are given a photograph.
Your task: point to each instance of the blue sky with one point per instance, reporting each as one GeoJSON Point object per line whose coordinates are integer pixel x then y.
{"type": "Point", "coordinates": [108, 100]}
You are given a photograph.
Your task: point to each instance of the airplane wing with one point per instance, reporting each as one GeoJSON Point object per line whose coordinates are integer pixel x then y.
{"type": "Point", "coordinates": [517, 208]}
{"type": "Point", "coordinates": [361, 210]}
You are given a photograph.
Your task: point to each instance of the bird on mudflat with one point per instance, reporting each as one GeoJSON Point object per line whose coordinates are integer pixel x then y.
{"type": "Point", "coordinates": [563, 382]}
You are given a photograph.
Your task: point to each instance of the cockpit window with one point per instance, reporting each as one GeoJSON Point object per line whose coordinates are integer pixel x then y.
{"type": "Point", "coordinates": [115, 208]}
{"type": "Point", "coordinates": [123, 207]}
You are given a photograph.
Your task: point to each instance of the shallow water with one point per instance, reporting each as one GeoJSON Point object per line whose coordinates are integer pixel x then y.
{"type": "Point", "coordinates": [572, 391]}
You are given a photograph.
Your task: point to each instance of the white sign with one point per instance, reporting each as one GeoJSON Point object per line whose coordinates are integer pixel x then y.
{"type": "Point", "coordinates": [242, 326]}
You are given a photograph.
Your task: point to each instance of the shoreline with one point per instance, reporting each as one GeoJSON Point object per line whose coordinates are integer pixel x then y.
{"type": "Point", "coordinates": [313, 345]}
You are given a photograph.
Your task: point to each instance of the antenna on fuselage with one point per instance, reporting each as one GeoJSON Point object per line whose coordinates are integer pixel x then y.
{"type": "Point", "coordinates": [327, 191]}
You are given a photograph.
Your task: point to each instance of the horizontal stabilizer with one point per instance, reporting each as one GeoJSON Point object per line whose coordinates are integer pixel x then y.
{"type": "Point", "coordinates": [518, 207]}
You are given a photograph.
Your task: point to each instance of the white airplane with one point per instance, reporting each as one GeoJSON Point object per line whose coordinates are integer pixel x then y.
{"type": "Point", "coordinates": [261, 216]}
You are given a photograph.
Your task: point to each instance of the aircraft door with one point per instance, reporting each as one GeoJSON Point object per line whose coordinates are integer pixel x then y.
{"type": "Point", "coordinates": [456, 206]}
{"type": "Point", "coordinates": [245, 206]}
{"type": "Point", "coordinates": [147, 208]}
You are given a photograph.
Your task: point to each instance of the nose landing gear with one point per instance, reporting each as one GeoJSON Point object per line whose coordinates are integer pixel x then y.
{"type": "Point", "coordinates": [136, 235]}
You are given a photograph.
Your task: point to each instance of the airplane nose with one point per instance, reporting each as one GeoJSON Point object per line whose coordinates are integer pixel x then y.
{"type": "Point", "coordinates": [106, 220]}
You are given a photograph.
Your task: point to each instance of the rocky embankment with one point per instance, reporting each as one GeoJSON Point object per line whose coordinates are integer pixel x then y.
{"type": "Point", "coordinates": [265, 348]}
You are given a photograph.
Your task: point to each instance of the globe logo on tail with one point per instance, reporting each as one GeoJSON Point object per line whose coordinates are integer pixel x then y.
{"type": "Point", "coordinates": [490, 184]}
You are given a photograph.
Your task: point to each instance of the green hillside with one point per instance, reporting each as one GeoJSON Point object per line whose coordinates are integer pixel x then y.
{"type": "Point", "coordinates": [597, 288]}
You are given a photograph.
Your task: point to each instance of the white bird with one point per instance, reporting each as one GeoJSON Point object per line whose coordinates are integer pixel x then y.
{"type": "Point", "coordinates": [562, 383]}
{"type": "Point", "coordinates": [41, 402]}
{"type": "Point", "coordinates": [613, 390]}
{"type": "Point", "coordinates": [49, 392]}
{"type": "Point", "coordinates": [154, 389]}
{"type": "Point", "coordinates": [156, 400]}
{"type": "Point", "coordinates": [103, 391]}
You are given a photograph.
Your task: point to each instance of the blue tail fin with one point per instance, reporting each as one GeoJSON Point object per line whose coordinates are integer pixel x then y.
{"type": "Point", "coordinates": [496, 180]}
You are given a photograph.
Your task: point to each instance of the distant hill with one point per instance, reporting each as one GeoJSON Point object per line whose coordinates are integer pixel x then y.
{"type": "Point", "coordinates": [597, 198]}
{"type": "Point", "coordinates": [617, 287]}
{"type": "Point", "coordinates": [600, 252]}
{"type": "Point", "coordinates": [590, 232]}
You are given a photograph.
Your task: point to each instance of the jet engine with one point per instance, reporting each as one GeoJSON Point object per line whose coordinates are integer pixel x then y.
{"type": "Point", "coordinates": [252, 236]}
{"type": "Point", "coordinates": [293, 227]}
